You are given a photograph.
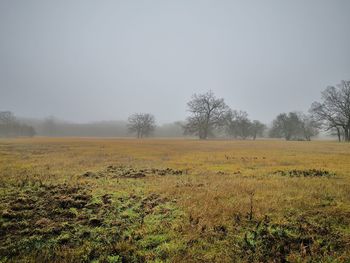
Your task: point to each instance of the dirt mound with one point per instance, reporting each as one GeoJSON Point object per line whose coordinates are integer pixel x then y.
{"type": "Point", "coordinates": [113, 171]}
{"type": "Point", "coordinates": [305, 173]}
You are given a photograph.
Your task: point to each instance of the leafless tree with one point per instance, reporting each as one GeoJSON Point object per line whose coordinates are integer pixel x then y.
{"type": "Point", "coordinates": [207, 113]}
{"type": "Point", "coordinates": [142, 124]}
{"type": "Point", "coordinates": [334, 110]}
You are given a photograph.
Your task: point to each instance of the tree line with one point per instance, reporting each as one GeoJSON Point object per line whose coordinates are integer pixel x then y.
{"type": "Point", "coordinates": [11, 127]}
{"type": "Point", "coordinates": [209, 114]}
{"type": "Point", "coordinates": [209, 117]}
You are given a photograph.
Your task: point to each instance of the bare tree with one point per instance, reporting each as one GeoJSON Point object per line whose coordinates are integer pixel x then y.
{"type": "Point", "coordinates": [207, 113]}
{"type": "Point", "coordinates": [143, 124]}
{"type": "Point", "coordinates": [334, 110]}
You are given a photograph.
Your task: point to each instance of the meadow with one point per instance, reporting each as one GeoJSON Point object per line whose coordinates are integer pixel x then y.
{"type": "Point", "coordinates": [174, 200]}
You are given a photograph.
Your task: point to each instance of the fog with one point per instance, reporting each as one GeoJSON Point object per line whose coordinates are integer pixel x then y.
{"type": "Point", "coordinates": [86, 61]}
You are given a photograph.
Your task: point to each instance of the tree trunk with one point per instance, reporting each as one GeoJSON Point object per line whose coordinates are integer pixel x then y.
{"type": "Point", "coordinates": [203, 133]}
{"type": "Point", "coordinates": [346, 134]}
{"type": "Point", "coordinates": [338, 133]}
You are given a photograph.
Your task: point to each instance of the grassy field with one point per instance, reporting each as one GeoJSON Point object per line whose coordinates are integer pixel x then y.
{"type": "Point", "coordinates": [157, 200]}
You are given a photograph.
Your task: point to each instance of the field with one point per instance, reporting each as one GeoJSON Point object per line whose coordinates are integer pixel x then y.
{"type": "Point", "coordinates": [160, 200]}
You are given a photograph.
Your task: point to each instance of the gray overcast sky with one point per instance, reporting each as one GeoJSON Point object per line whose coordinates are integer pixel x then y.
{"type": "Point", "coordinates": [103, 60]}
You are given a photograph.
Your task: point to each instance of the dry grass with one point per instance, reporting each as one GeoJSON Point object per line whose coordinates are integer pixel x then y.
{"type": "Point", "coordinates": [226, 182]}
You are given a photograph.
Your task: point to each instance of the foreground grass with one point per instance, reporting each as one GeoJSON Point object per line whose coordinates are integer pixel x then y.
{"type": "Point", "coordinates": [233, 201]}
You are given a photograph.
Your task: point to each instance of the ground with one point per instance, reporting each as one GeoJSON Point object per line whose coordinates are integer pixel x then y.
{"type": "Point", "coordinates": [160, 200]}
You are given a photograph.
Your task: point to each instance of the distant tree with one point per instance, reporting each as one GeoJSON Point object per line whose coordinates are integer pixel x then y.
{"type": "Point", "coordinates": [7, 117]}
{"type": "Point", "coordinates": [257, 129]}
{"type": "Point", "coordinates": [237, 124]}
{"type": "Point", "coordinates": [333, 112]}
{"type": "Point", "coordinates": [50, 126]}
{"type": "Point", "coordinates": [294, 126]}
{"type": "Point", "coordinates": [11, 127]}
{"type": "Point", "coordinates": [142, 124]}
{"type": "Point", "coordinates": [309, 126]}
{"type": "Point", "coordinates": [170, 130]}
{"type": "Point", "coordinates": [7, 123]}
{"type": "Point", "coordinates": [207, 113]}
{"type": "Point", "coordinates": [284, 126]}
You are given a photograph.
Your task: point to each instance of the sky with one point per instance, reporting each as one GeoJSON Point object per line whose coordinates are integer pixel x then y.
{"type": "Point", "coordinates": [87, 60]}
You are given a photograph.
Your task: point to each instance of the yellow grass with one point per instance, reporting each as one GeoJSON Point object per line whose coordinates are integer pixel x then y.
{"type": "Point", "coordinates": [245, 165]}
{"type": "Point", "coordinates": [221, 179]}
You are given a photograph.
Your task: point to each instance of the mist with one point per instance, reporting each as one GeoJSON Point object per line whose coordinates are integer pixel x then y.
{"type": "Point", "coordinates": [89, 61]}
